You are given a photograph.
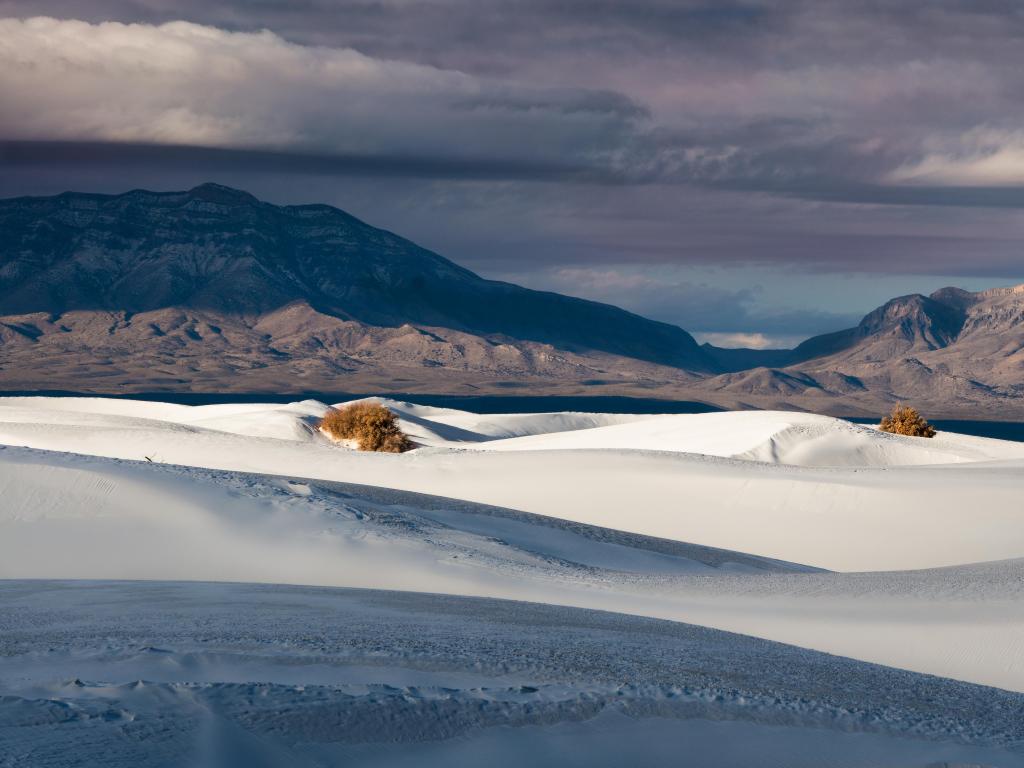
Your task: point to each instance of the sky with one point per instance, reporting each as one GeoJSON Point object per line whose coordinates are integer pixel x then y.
{"type": "Point", "coordinates": [756, 172]}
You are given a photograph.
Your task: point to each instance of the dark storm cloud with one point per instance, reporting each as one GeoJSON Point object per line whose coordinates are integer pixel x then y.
{"type": "Point", "coordinates": [831, 134]}
{"type": "Point", "coordinates": [71, 154]}
{"type": "Point", "coordinates": [509, 34]}
{"type": "Point", "coordinates": [438, 27]}
{"type": "Point", "coordinates": [825, 100]}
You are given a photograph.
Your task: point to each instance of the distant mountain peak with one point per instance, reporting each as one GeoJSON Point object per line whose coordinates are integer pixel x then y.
{"type": "Point", "coordinates": [218, 193]}
{"type": "Point", "coordinates": [218, 249]}
{"type": "Point", "coordinates": [209, 286]}
{"type": "Point", "coordinates": [955, 297]}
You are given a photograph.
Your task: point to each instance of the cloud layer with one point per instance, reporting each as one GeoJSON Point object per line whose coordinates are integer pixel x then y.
{"type": "Point", "coordinates": [828, 101]}
{"type": "Point", "coordinates": [181, 83]}
{"type": "Point", "coordinates": [537, 138]}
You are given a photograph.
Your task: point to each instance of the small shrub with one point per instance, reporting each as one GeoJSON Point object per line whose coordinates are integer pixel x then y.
{"type": "Point", "coordinates": [905, 420]}
{"type": "Point", "coordinates": [373, 427]}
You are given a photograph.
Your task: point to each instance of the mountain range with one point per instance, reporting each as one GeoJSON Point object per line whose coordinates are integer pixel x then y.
{"type": "Point", "coordinates": [213, 290]}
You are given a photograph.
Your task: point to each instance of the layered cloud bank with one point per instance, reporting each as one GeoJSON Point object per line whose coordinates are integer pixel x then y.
{"type": "Point", "coordinates": [188, 84]}
{"type": "Point", "coordinates": [824, 137]}
{"type": "Point", "coordinates": [737, 118]}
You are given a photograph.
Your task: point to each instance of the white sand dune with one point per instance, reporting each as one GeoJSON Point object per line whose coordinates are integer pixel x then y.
{"type": "Point", "coordinates": [68, 516]}
{"type": "Point", "coordinates": [854, 515]}
{"type": "Point", "coordinates": [65, 516]}
{"type": "Point", "coordinates": [775, 437]}
{"type": "Point", "coordinates": [718, 520]}
{"type": "Point", "coordinates": [288, 676]}
{"type": "Point", "coordinates": [446, 427]}
{"type": "Point", "coordinates": [778, 437]}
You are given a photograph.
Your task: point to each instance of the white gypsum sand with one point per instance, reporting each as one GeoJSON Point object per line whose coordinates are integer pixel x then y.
{"type": "Point", "coordinates": [269, 675]}
{"type": "Point", "coordinates": [881, 508]}
{"type": "Point", "coordinates": [720, 520]}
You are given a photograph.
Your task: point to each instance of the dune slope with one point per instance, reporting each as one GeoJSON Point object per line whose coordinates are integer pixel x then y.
{"type": "Point", "coordinates": [70, 516]}
{"type": "Point", "coordinates": [877, 507]}
{"type": "Point", "coordinates": [492, 678]}
{"type": "Point", "coordinates": [585, 571]}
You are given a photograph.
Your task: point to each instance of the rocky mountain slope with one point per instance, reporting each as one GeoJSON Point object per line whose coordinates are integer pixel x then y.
{"type": "Point", "coordinates": [214, 290]}
{"type": "Point", "coordinates": [221, 251]}
{"type": "Point", "coordinates": [958, 352]}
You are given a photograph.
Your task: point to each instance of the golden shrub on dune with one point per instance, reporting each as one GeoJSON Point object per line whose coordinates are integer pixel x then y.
{"type": "Point", "coordinates": [373, 427]}
{"type": "Point", "coordinates": [904, 420]}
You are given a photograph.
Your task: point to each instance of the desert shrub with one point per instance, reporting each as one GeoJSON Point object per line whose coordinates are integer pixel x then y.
{"type": "Point", "coordinates": [905, 420]}
{"type": "Point", "coordinates": [373, 427]}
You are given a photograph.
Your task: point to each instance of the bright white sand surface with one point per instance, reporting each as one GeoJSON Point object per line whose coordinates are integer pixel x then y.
{"type": "Point", "coordinates": [806, 490]}
{"type": "Point", "coordinates": [718, 520]}
{"type": "Point", "coordinates": [267, 676]}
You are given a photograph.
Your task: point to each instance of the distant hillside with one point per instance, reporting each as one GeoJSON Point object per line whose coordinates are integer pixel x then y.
{"type": "Point", "coordinates": [213, 290]}
{"type": "Point", "coordinates": [961, 352]}
{"type": "Point", "coordinates": [220, 250]}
